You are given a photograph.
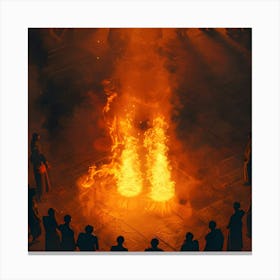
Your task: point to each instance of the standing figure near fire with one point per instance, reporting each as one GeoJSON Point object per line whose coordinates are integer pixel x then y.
{"type": "Point", "coordinates": [35, 142]}
{"type": "Point", "coordinates": [247, 169]}
{"type": "Point", "coordinates": [190, 244]}
{"type": "Point", "coordinates": [40, 170]}
{"type": "Point", "coordinates": [87, 241]}
{"type": "Point", "coordinates": [34, 221]}
{"type": "Point", "coordinates": [235, 241]}
{"type": "Point", "coordinates": [52, 242]}
{"type": "Point", "coordinates": [214, 239]}
{"type": "Point", "coordinates": [67, 235]}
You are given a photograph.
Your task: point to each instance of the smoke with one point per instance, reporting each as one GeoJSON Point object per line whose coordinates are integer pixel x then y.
{"type": "Point", "coordinates": [199, 81]}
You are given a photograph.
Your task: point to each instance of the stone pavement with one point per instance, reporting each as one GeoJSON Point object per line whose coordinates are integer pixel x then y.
{"type": "Point", "coordinates": [208, 201]}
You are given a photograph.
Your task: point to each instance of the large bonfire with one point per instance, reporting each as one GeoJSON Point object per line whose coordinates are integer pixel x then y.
{"type": "Point", "coordinates": [137, 116]}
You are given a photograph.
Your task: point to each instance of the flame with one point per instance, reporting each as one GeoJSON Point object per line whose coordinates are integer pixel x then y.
{"type": "Point", "coordinates": [128, 169]}
{"type": "Point", "coordinates": [158, 168]}
{"type": "Point", "coordinates": [125, 163]}
{"type": "Point", "coordinates": [136, 115]}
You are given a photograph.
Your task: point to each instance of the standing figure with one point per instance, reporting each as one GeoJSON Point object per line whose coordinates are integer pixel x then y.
{"type": "Point", "coordinates": [35, 142]}
{"type": "Point", "coordinates": [214, 239]}
{"type": "Point", "coordinates": [40, 170]}
{"type": "Point", "coordinates": [52, 242]}
{"type": "Point", "coordinates": [247, 168]}
{"type": "Point", "coordinates": [235, 241]}
{"type": "Point", "coordinates": [34, 221]}
{"type": "Point", "coordinates": [87, 241]}
{"type": "Point", "coordinates": [119, 247]}
{"type": "Point", "coordinates": [67, 235]}
{"type": "Point", "coordinates": [195, 245]}
{"type": "Point", "coordinates": [190, 244]}
{"type": "Point", "coordinates": [154, 245]}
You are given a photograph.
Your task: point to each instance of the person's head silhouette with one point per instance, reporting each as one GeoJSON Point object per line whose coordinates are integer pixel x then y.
{"type": "Point", "coordinates": [51, 212]}
{"type": "Point", "coordinates": [35, 136]}
{"type": "Point", "coordinates": [89, 229]}
{"type": "Point", "coordinates": [154, 242]}
{"type": "Point", "coordinates": [236, 206]}
{"type": "Point", "coordinates": [67, 219]}
{"type": "Point", "coordinates": [120, 240]}
{"type": "Point", "coordinates": [212, 225]}
{"type": "Point", "coordinates": [189, 236]}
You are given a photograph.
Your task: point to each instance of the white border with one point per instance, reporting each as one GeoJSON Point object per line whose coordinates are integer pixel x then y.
{"type": "Point", "coordinates": [17, 16]}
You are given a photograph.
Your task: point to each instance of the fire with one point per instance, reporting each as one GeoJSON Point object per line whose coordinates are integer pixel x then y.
{"type": "Point", "coordinates": [136, 115]}
{"type": "Point", "coordinates": [158, 167]}
{"type": "Point", "coordinates": [130, 167]}
{"type": "Point", "coordinates": [127, 172]}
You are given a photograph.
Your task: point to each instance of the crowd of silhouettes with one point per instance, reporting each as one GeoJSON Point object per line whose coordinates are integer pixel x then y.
{"type": "Point", "coordinates": [62, 237]}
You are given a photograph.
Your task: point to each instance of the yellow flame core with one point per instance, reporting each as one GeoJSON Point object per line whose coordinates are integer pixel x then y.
{"type": "Point", "coordinates": [127, 173]}
{"type": "Point", "coordinates": [158, 169]}
{"type": "Point", "coordinates": [129, 170]}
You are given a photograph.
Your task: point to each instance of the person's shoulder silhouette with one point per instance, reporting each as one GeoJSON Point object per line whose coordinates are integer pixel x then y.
{"type": "Point", "coordinates": [214, 239]}
{"type": "Point", "coordinates": [154, 246]}
{"type": "Point", "coordinates": [87, 241]}
{"type": "Point", "coordinates": [190, 244]}
{"type": "Point", "coordinates": [119, 246]}
{"type": "Point", "coordinates": [49, 221]}
{"type": "Point", "coordinates": [235, 240]}
{"type": "Point", "coordinates": [195, 245]}
{"type": "Point", "coordinates": [67, 234]}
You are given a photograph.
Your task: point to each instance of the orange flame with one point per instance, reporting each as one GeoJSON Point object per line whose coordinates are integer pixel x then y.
{"type": "Point", "coordinates": [125, 165]}
{"type": "Point", "coordinates": [158, 168]}
{"type": "Point", "coordinates": [139, 162]}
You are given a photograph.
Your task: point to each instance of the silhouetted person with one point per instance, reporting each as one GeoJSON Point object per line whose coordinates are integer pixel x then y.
{"type": "Point", "coordinates": [154, 245]}
{"type": "Point", "coordinates": [214, 239]}
{"type": "Point", "coordinates": [195, 245]}
{"type": "Point", "coordinates": [119, 247]}
{"type": "Point", "coordinates": [247, 168]}
{"type": "Point", "coordinates": [67, 235]}
{"type": "Point", "coordinates": [52, 242]}
{"type": "Point", "coordinates": [87, 241]}
{"type": "Point", "coordinates": [40, 166]}
{"type": "Point", "coordinates": [190, 244]}
{"type": "Point", "coordinates": [249, 222]}
{"type": "Point", "coordinates": [34, 221]}
{"type": "Point", "coordinates": [35, 142]}
{"type": "Point", "coordinates": [235, 242]}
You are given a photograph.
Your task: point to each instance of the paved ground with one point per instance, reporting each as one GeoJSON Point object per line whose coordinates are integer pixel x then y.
{"type": "Point", "coordinates": [208, 201]}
